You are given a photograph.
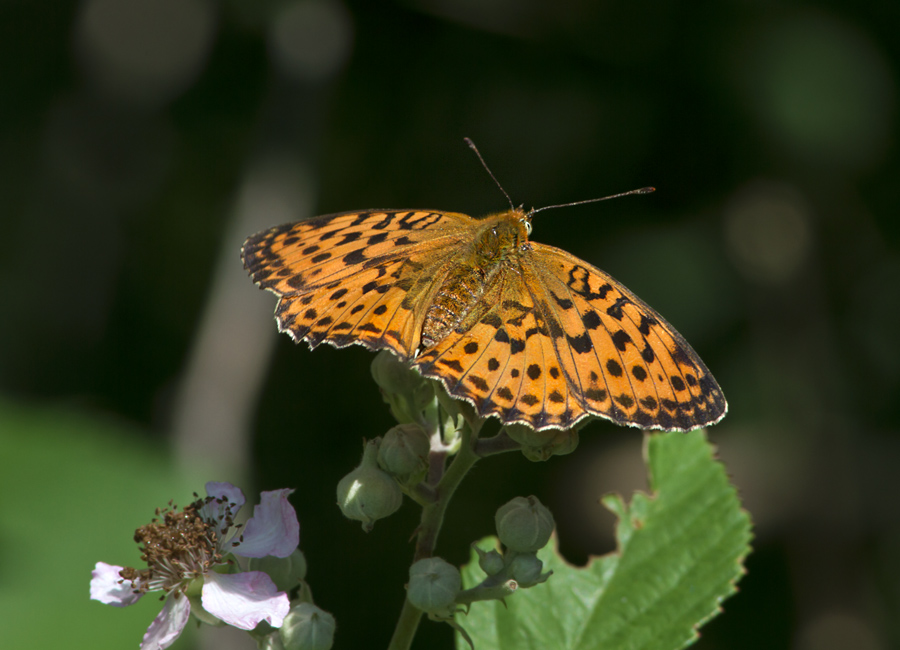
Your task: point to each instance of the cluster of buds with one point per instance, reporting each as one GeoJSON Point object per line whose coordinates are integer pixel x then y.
{"type": "Point", "coordinates": [398, 461]}
{"type": "Point", "coordinates": [524, 526]}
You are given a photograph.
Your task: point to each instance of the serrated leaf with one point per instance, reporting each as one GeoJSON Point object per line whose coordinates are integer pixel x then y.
{"type": "Point", "coordinates": [680, 553]}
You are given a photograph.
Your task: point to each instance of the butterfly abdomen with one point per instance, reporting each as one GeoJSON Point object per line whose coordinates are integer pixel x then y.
{"type": "Point", "coordinates": [462, 289]}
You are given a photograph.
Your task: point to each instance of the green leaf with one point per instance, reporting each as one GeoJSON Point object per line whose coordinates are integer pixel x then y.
{"type": "Point", "coordinates": [680, 554]}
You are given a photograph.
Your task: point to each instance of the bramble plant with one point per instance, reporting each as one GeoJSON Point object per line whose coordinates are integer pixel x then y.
{"type": "Point", "coordinates": [680, 549]}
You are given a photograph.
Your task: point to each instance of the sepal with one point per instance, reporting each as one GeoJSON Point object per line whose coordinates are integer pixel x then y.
{"type": "Point", "coordinates": [286, 572]}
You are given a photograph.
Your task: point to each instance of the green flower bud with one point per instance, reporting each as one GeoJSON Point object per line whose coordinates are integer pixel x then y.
{"type": "Point", "coordinates": [368, 493]}
{"type": "Point", "coordinates": [286, 572]}
{"type": "Point", "coordinates": [491, 562]}
{"type": "Point", "coordinates": [393, 375]}
{"type": "Point", "coordinates": [524, 525]}
{"type": "Point", "coordinates": [538, 446]}
{"type": "Point", "coordinates": [306, 627]}
{"type": "Point", "coordinates": [404, 389]}
{"type": "Point", "coordinates": [433, 584]}
{"type": "Point", "coordinates": [526, 569]}
{"type": "Point", "coordinates": [404, 453]}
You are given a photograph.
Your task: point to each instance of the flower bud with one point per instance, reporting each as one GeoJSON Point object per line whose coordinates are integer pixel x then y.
{"type": "Point", "coordinates": [368, 494]}
{"type": "Point", "coordinates": [433, 584]}
{"type": "Point", "coordinates": [394, 376]}
{"type": "Point", "coordinates": [306, 627]}
{"type": "Point", "coordinates": [524, 525]}
{"type": "Point", "coordinates": [404, 389]}
{"type": "Point", "coordinates": [404, 453]}
{"type": "Point", "coordinates": [491, 562]}
{"type": "Point", "coordinates": [538, 446]}
{"type": "Point", "coordinates": [286, 572]}
{"type": "Point", "coordinates": [526, 570]}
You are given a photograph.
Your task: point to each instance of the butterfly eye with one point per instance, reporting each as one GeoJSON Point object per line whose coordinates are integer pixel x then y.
{"type": "Point", "coordinates": [527, 226]}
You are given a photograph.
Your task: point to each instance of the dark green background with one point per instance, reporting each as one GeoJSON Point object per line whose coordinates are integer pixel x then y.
{"type": "Point", "coordinates": [138, 138]}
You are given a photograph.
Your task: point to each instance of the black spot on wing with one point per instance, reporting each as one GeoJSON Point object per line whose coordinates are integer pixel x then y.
{"type": "Point", "coordinates": [478, 382]}
{"type": "Point", "coordinates": [615, 310]}
{"type": "Point", "coordinates": [621, 339]}
{"type": "Point", "coordinates": [451, 363]}
{"type": "Point", "coordinates": [581, 344]}
{"type": "Point", "coordinates": [646, 323]}
{"type": "Point", "coordinates": [613, 368]}
{"type": "Point", "coordinates": [354, 257]}
{"type": "Point", "coordinates": [591, 320]}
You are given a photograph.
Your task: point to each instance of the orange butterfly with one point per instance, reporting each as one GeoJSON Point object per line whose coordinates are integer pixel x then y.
{"type": "Point", "coordinates": [523, 331]}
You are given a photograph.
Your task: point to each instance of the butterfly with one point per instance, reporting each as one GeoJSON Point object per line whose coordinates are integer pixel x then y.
{"type": "Point", "coordinates": [525, 332]}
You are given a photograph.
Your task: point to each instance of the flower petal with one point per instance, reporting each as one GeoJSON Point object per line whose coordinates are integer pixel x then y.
{"type": "Point", "coordinates": [226, 491]}
{"type": "Point", "coordinates": [273, 529]}
{"type": "Point", "coordinates": [244, 599]}
{"type": "Point", "coordinates": [168, 624]}
{"type": "Point", "coordinates": [110, 588]}
{"type": "Point", "coordinates": [226, 496]}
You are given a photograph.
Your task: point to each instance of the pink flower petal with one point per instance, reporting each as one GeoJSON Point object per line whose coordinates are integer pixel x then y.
{"type": "Point", "coordinates": [226, 491]}
{"type": "Point", "coordinates": [244, 599]}
{"type": "Point", "coordinates": [213, 510]}
{"type": "Point", "coordinates": [108, 587]}
{"type": "Point", "coordinates": [168, 624]}
{"type": "Point", "coordinates": [273, 529]}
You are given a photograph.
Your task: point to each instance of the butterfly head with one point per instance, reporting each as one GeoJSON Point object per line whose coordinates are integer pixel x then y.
{"type": "Point", "coordinates": [502, 234]}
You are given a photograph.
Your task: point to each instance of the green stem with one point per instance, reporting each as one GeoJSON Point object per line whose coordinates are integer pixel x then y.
{"type": "Point", "coordinates": [429, 527]}
{"type": "Point", "coordinates": [406, 628]}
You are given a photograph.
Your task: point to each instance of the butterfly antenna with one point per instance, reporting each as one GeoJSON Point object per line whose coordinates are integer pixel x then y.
{"type": "Point", "coordinates": [643, 190]}
{"type": "Point", "coordinates": [488, 170]}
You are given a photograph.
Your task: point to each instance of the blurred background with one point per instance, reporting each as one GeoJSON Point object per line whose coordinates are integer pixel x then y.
{"type": "Point", "coordinates": [142, 140]}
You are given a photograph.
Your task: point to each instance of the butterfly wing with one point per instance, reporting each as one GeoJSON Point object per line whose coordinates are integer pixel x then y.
{"type": "Point", "coordinates": [551, 340]}
{"type": "Point", "coordinates": [623, 361]}
{"type": "Point", "coordinates": [356, 277]}
{"type": "Point", "coordinates": [559, 340]}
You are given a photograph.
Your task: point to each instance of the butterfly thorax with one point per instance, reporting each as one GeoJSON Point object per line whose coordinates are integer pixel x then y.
{"type": "Point", "coordinates": [461, 297]}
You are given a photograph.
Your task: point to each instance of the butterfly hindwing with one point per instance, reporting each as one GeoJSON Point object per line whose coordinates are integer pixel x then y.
{"type": "Point", "coordinates": [505, 363]}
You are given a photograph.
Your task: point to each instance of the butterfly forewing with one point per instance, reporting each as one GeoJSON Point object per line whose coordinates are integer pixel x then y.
{"type": "Point", "coordinates": [625, 361]}
{"type": "Point", "coordinates": [346, 278]}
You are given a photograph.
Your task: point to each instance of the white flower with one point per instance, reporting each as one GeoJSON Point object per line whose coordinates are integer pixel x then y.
{"type": "Point", "coordinates": [184, 548]}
